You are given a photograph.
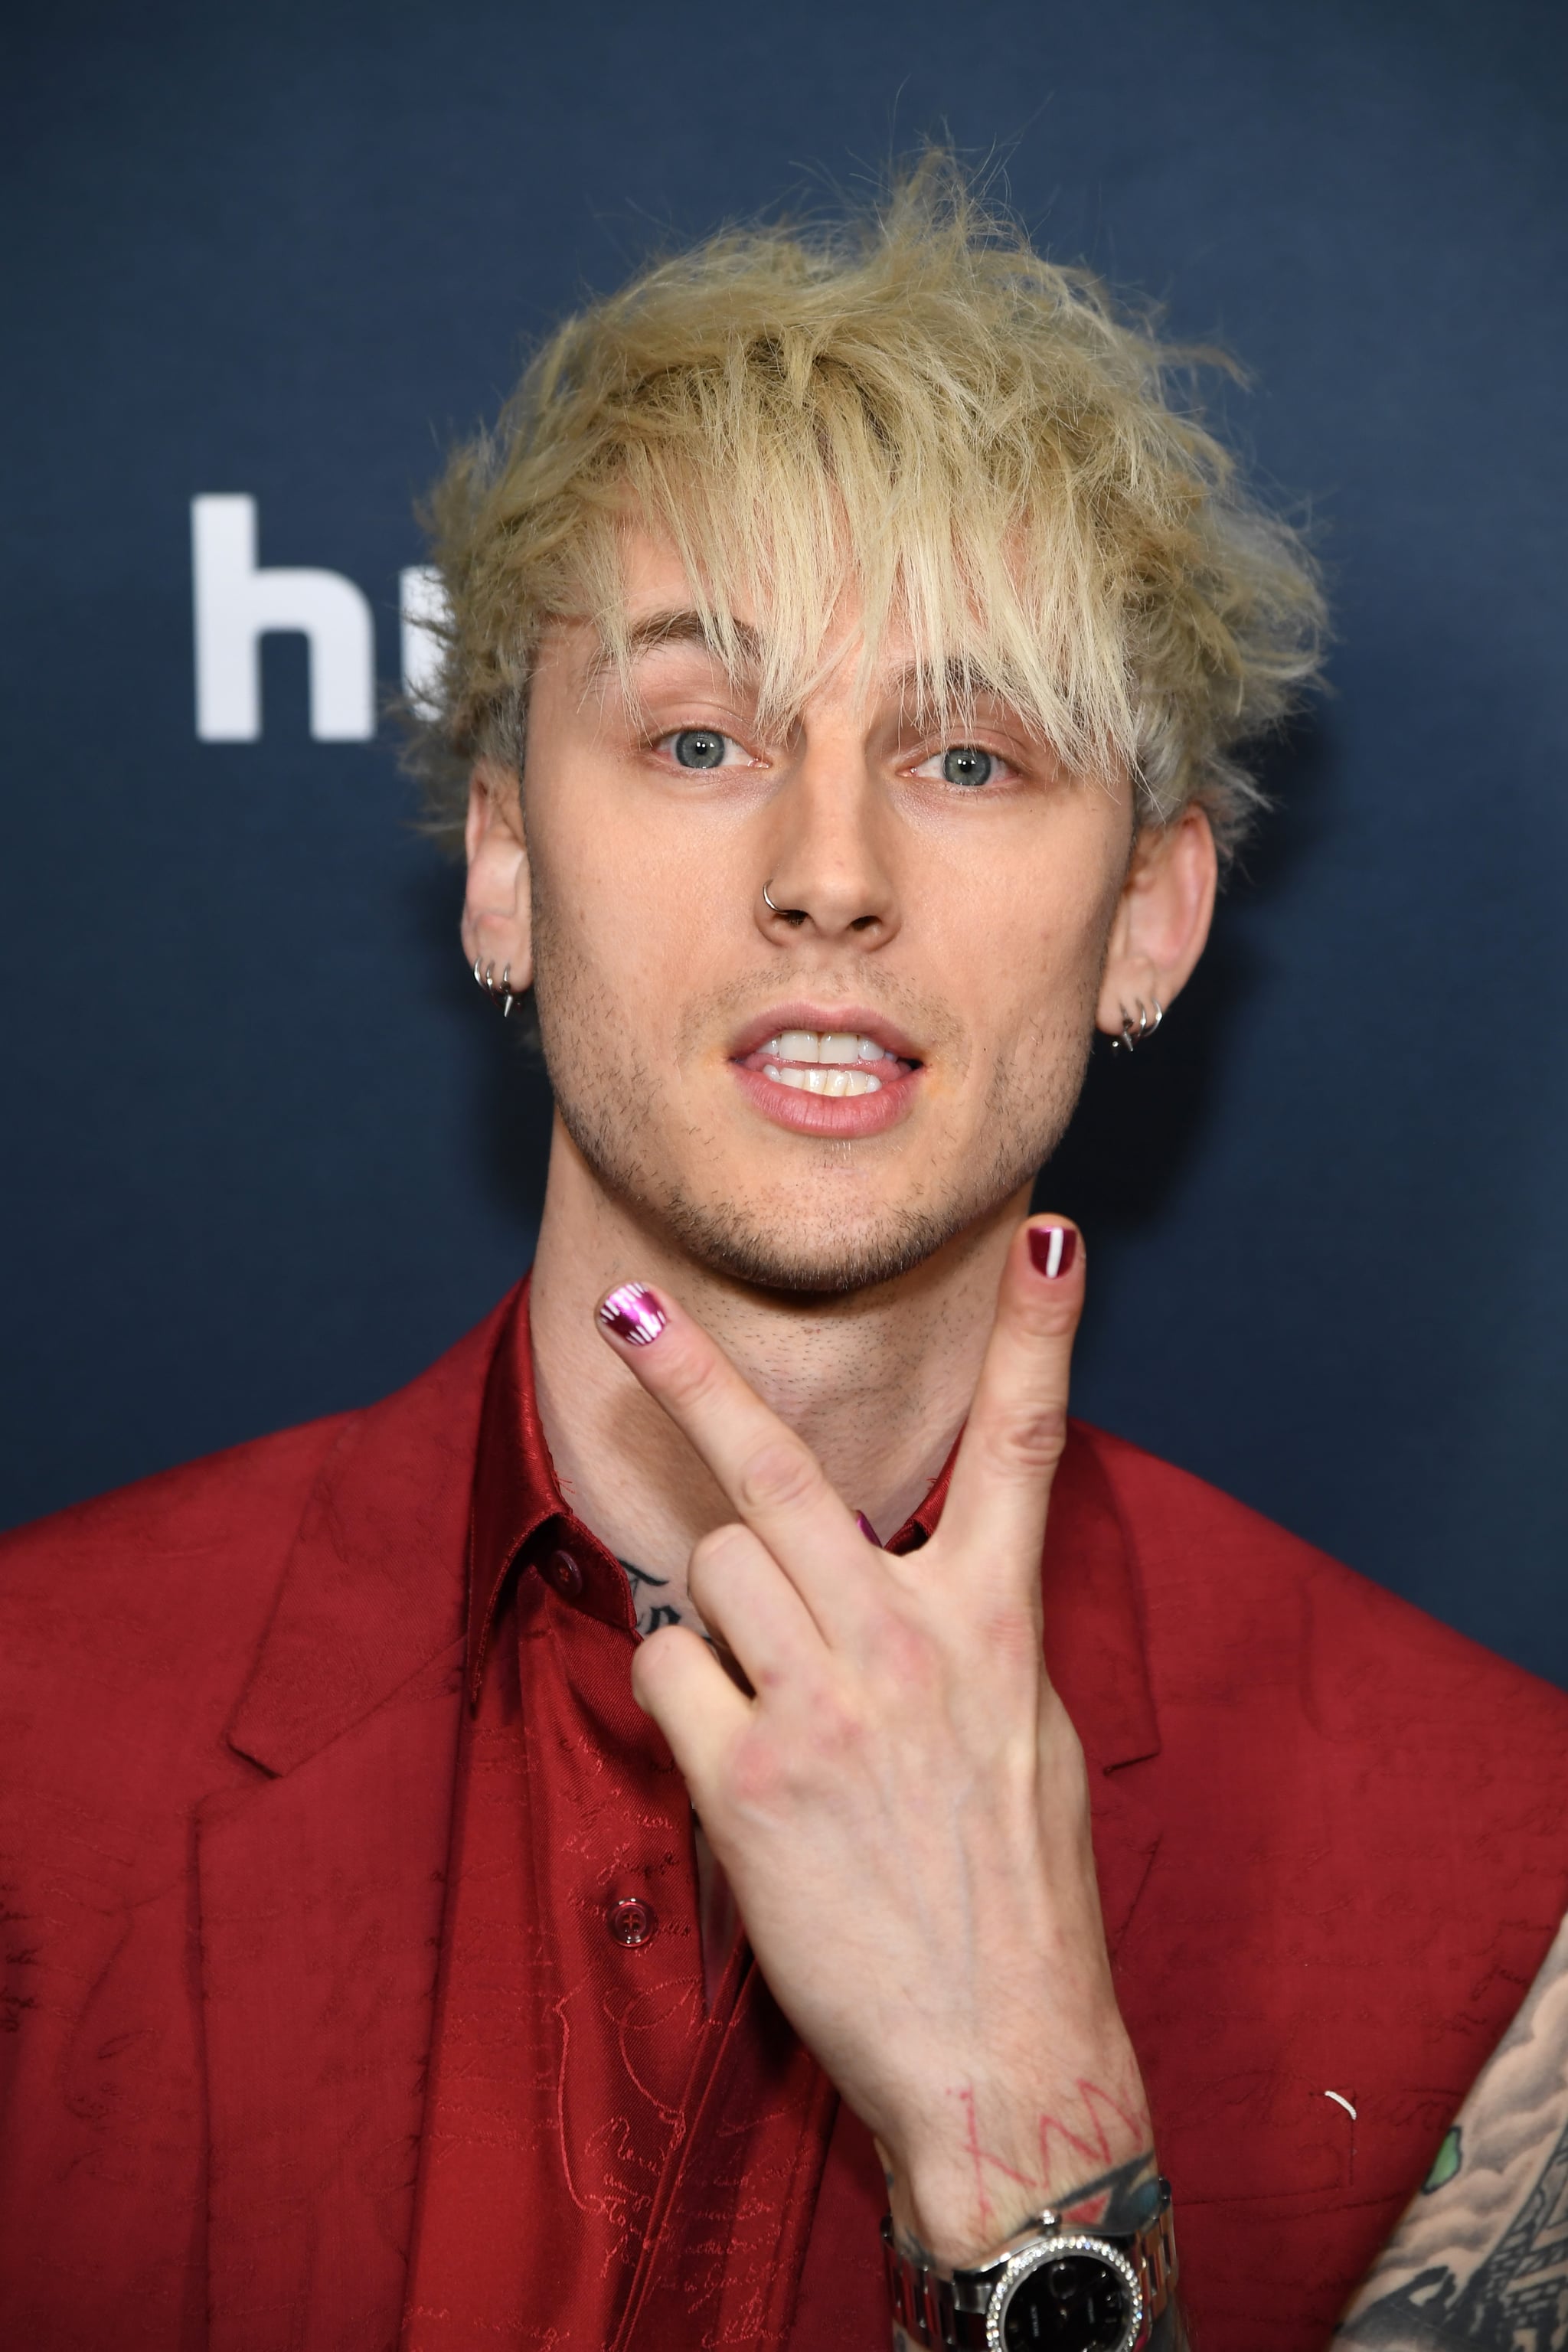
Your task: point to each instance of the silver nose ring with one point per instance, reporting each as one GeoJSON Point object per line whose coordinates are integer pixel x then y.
{"type": "Point", "coordinates": [768, 902]}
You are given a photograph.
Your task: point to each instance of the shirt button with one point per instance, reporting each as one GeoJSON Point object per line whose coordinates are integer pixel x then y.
{"type": "Point", "coordinates": [631, 1920]}
{"type": "Point", "coordinates": [564, 1573]}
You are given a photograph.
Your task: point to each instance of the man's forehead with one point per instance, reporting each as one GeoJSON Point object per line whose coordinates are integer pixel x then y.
{"type": "Point", "coordinates": [661, 605]}
{"type": "Point", "coordinates": [659, 610]}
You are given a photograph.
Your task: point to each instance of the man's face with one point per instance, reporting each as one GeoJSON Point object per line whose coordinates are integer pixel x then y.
{"type": "Point", "coordinates": [817, 1099]}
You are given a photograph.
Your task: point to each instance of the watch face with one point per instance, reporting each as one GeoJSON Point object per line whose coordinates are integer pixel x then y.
{"type": "Point", "coordinates": [1076, 2303]}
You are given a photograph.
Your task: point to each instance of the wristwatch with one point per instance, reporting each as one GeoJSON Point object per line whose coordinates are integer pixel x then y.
{"type": "Point", "coordinates": [1072, 2290]}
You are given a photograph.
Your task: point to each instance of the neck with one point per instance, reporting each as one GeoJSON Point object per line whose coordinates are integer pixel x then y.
{"type": "Point", "coordinates": [878, 1382]}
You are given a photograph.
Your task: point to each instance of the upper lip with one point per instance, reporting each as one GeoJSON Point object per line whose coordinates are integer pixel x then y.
{"type": "Point", "coordinates": [844, 1019]}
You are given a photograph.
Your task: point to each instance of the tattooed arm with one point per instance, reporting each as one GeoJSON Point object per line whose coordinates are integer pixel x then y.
{"type": "Point", "coordinates": [1480, 2258]}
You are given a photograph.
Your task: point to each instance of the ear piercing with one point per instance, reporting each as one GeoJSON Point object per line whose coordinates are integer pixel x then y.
{"type": "Point", "coordinates": [1134, 1033]}
{"type": "Point", "coordinates": [499, 991]}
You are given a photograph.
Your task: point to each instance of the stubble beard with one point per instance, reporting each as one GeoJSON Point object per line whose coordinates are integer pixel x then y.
{"type": "Point", "coordinates": [808, 1245]}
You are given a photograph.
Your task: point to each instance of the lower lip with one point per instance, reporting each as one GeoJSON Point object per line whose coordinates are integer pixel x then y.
{"type": "Point", "coordinates": [842, 1117]}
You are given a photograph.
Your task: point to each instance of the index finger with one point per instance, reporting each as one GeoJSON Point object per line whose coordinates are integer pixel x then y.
{"type": "Point", "coordinates": [772, 1480]}
{"type": "Point", "coordinates": [1017, 1430]}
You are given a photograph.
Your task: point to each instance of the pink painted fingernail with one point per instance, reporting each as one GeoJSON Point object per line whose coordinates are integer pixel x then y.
{"type": "Point", "coordinates": [1053, 1249]}
{"type": "Point", "coordinates": [867, 1530]}
{"type": "Point", "coordinates": [634, 1314]}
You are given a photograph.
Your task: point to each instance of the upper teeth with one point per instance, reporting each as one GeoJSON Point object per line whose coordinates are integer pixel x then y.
{"type": "Point", "coordinates": [832, 1055]}
{"type": "Point", "coordinates": [823, 1045]}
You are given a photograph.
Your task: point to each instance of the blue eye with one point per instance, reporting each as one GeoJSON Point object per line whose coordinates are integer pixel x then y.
{"type": "Point", "coordinates": [699, 747]}
{"type": "Point", "coordinates": [963, 764]}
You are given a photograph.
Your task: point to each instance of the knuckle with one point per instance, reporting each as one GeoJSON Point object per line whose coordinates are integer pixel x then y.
{"type": "Point", "coordinates": [1043, 1313]}
{"type": "Point", "coordinates": [1012, 1635]}
{"type": "Point", "coordinates": [692, 1376]}
{"type": "Point", "coordinates": [837, 1732]}
{"type": "Point", "coordinates": [1041, 1339]}
{"type": "Point", "coordinates": [1029, 1436]}
{"type": "Point", "coordinates": [766, 1775]}
{"type": "Point", "coordinates": [718, 1544]}
{"type": "Point", "coordinates": [910, 1657]}
{"type": "Point", "coordinates": [754, 1774]}
{"type": "Point", "coordinates": [779, 1474]}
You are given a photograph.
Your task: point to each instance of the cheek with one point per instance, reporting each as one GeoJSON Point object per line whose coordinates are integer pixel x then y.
{"type": "Point", "coordinates": [630, 925]}
{"type": "Point", "coordinates": [650, 870]}
{"type": "Point", "coordinates": [1028, 950]}
{"type": "Point", "coordinates": [591, 899]}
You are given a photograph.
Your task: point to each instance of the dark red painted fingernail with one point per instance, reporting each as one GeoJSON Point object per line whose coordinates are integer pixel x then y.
{"type": "Point", "coordinates": [1053, 1249]}
{"type": "Point", "coordinates": [867, 1530]}
{"type": "Point", "coordinates": [634, 1314]}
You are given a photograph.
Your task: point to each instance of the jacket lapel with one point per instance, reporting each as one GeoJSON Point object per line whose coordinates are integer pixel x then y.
{"type": "Point", "coordinates": [321, 1889]}
{"type": "Point", "coordinates": [1095, 1654]}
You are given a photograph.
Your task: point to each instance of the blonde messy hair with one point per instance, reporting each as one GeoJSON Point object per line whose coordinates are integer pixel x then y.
{"type": "Point", "coordinates": [914, 406]}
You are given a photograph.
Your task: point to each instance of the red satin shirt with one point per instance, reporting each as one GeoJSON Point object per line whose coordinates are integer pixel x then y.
{"type": "Point", "coordinates": [582, 2080]}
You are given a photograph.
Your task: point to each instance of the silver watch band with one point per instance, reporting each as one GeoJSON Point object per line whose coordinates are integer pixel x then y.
{"type": "Point", "coordinates": [953, 2314]}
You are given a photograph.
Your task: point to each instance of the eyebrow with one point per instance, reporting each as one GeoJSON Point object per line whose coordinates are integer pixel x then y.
{"type": "Point", "coordinates": [684, 627]}
{"type": "Point", "coordinates": [922, 688]}
{"type": "Point", "coordinates": [919, 687]}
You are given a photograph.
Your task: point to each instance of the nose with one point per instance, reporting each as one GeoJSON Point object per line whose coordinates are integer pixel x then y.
{"type": "Point", "coordinates": [826, 873]}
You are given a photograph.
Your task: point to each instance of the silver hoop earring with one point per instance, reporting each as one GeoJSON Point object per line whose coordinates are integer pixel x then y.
{"type": "Point", "coordinates": [768, 902]}
{"type": "Point", "coordinates": [1133, 1034]}
{"type": "Point", "coordinates": [499, 991]}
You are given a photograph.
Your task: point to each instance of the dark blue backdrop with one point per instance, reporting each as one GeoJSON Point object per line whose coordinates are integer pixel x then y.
{"type": "Point", "coordinates": [264, 1150]}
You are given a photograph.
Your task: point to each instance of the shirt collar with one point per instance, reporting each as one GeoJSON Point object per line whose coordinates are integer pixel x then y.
{"type": "Point", "coordinates": [519, 1520]}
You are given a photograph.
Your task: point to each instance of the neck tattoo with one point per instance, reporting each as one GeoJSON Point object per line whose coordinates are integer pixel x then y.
{"type": "Point", "coordinates": [651, 1613]}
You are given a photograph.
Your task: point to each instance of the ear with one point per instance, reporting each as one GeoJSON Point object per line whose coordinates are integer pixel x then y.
{"type": "Point", "coordinates": [496, 927]}
{"type": "Point", "coordinates": [1161, 923]}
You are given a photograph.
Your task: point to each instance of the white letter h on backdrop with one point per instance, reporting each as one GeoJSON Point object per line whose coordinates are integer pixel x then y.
{"type": "Point", "coordinates": [238, 601]}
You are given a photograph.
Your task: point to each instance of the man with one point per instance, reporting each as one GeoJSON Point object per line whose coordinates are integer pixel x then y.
{"type": "Point", "coordinates": [850, 650]}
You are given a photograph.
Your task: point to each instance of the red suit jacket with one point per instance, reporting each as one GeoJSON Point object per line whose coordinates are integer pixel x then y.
{"type": "Point", "coordinates": [1331, 1836]}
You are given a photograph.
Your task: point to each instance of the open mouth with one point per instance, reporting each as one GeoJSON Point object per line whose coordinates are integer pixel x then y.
{"type": "Point", "coordinates": [843, 1082]}
{"type": "Point", "coordinates": [835, 1062]}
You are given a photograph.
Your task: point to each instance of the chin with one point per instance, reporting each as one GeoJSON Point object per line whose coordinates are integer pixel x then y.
{"type": "Point", "coordinates": [795, 1246]}
{"type": "Point", "coordinates": [803, 1240]}
{"type": "Point", "coordinates": [827, 1264]}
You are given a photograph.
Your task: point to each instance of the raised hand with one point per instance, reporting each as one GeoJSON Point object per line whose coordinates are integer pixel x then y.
{"type": "Point", "coordinates": [898, 1799]}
